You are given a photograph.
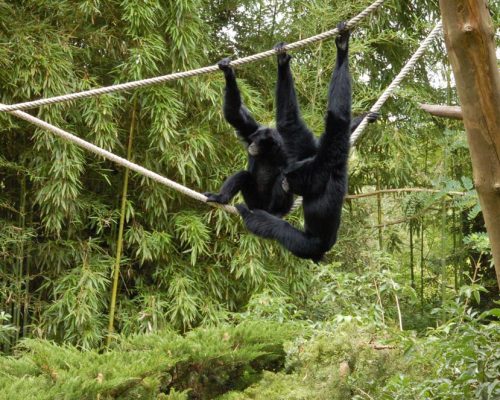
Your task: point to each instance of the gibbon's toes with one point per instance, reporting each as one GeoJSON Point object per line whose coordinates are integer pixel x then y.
{"type": "Point", "coordinates": [373, 116]}
{"type": "Point", "coordinates": [283, 56]}
{"type": "Point", "coordinates": [242, 209]}
{"type": "Point", "coordinates": [279, 47]}
{"type": "Point", "coordinates": [342, 27]}
{"type": "Point", "coordinates": [224, 64]}
{"type": "Point", "coordinates": [343, 38]}
{"type": "Point", "coordinates": [214, 198]}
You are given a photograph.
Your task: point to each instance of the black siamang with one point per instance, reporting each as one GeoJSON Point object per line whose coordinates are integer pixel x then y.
{"type": "Point", "coordinates": [317, 170]}
{"type": "Point", "coordinates": [261, 182]}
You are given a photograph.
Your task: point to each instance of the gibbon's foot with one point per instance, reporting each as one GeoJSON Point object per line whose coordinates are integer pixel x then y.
{"type": "Point", "coordinates": [216, 198]}
{"type": "Point", "coordinates": [243, 210]}
{"type": "Point", "coordinates": [342, 40]}
{"type": "Point", "coordinates": [225, 64]}
{"type": "Point", "coordinates": [282, 56]}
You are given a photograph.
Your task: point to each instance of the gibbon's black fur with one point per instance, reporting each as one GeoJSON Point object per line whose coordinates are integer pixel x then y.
{"type": "Point", "coordinates": [317, 170]}
{"type": "Point", "coordinates": [261, 183]}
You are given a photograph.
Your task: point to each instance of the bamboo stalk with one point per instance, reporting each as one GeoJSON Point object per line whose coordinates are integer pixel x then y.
{"type": "Point", "coordinates": [422, 266]}
{"type": "Point", "coordinates": [400, 317]}
{"type": "Point", "coordinates": [443, 236]}
{"type": "Point", "coordinates": [443, 257]}
{"type": "Point", "coordinates": [27, 277]}
{"type": "Point", "coordinates": [19, 277]}
{"type": "Point", "coordinates": [412, 266]}
{"type": "Point", "coordinates": [26, 296]}
{"type": "Point", "coordinates": [379, 214]}
{"type": "Point", "coordinates": [455, 263]}
{"type": "Point", "coordinates": [119, 245]}
{"type": "Point", "coordinates": [379, 299]}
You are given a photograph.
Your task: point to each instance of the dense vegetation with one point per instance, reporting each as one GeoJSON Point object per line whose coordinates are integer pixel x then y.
{"type": "Point", "coordinates": [403, 307]}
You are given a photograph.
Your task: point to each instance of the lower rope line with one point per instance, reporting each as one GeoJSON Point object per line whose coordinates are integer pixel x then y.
{"type": "Point", "coordinates": [119, 160]}
{"type": "Point", "coordinates": [399, 78]}
{"type": "Point", "coordinates": [180, 75]}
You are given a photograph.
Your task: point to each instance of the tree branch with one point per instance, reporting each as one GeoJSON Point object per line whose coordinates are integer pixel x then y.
{"type": "Point", "coordinates": [385, 191]}
{"type": "Point", "coordinates": [403, 220]}
{"type": "Point", "coordinates": [453, 112]}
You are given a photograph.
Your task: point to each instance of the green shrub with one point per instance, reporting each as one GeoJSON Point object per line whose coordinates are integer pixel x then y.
{"type": "Point", "coordinates": [205, 362]}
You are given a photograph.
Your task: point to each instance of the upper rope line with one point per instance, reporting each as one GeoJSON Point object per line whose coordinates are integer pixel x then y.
{"type": "Point", "coordinates": [186, 74]}
{"type": "Point", "coordinates": [396, 82]}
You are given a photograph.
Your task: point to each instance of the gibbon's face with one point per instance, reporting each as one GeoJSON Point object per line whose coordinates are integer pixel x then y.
{"type": "Point", "coordinates": [265, 141]}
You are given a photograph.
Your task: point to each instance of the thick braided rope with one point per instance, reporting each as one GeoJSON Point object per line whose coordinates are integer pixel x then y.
{"type": "Point", "coordinates": [186, 74]}
{"type": "Point", "coordinates": [395, 83]}
{"type": "Point", "coordinates": [118, 160]}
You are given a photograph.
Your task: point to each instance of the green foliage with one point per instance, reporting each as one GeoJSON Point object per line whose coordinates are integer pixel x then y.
{"type": "Point", "coordinates": [164, 365]}
{"type": "Point", "coordinates": [411, 259]}
{"type": "Point", "coordinates": [455, 361]}
{"type": "Point", "coordinates": [176, 251]}
{"type": "Point", "coordinates": [6, 330]}
{"type": "Point", "coordinates": [76, 313]}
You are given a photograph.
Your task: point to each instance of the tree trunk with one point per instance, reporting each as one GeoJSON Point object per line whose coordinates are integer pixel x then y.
{"type": "Point", "coordinates": [469, 39]}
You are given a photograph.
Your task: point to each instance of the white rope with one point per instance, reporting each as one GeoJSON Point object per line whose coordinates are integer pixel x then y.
{"type": "Point", "coordinates": [395, 83]}
{"type": "Point", "coordinates": [179, 75]}
{"type": "Point", "coordinates": [118, 160]}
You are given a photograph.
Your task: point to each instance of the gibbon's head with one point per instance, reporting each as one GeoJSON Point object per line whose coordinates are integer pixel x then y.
{"type": "Point", "coordinates": [266, 142]}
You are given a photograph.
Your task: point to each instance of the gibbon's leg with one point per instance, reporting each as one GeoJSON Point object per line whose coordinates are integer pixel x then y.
{"type": "Point", "coordinates": [230, 187]}
{"type": "Point", "coordinates": [299, 141]}
{"type": "Point", "coordinates": [333, 147]}
{"type": "Point", "coordinates": [265, 225]}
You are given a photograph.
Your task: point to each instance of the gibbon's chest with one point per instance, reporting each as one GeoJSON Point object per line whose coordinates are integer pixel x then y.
{"type": "Point", "coordinates": [264, 173]}
{"type": "Point", "coordinates": [265, 176]}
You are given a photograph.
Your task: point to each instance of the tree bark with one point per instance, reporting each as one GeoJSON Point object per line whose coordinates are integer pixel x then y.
{"type": "Point", "coordinates": [453, 112]}
{"type": "Point", "coordinates": [469, 37]}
